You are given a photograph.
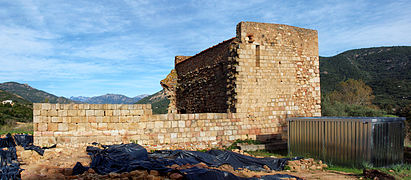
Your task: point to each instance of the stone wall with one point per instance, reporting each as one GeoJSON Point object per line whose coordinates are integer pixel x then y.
{"type": "Point", "coordinates": [277, 73]}
{"type": "Point", "coordinates": [178, 59]}
{"type": "Point", "coordinates": [202, 81]}
{"type": "Point", "coordinates": [81, 123]}
{"type": "Point", "coordinates": [115, 123]}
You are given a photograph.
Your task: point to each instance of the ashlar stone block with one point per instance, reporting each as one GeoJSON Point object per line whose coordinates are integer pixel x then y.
{"type": "Point", "coordinates": [62, 127]}
{"type": "Point", "coordinates": [42, 126]}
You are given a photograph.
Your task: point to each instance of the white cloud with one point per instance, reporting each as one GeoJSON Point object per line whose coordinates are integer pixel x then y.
{"type": "Point", "coordinates": [20, 40]}
{"type": "Point", "coordinates": [18, 68]}
{"type": "Point", "coordinates": [123, 47]}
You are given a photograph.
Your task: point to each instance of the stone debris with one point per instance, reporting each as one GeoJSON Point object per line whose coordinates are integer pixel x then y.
{"type": "Point", "coordinates": [306, 165]}
{"type": "Point", "coordinates": [239, 151]}
{"type": "Point", "coordinates": [56, 163]}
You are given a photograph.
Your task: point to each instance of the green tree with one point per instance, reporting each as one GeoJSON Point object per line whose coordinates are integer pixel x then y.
{"type": "Point", "coordinates": [354, 92]}
{"type": "Point", "coordinates": [406, 112]}
{"type": "Point", "coordinates": [350, 98]}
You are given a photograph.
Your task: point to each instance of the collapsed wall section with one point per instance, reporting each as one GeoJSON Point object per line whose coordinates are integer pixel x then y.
{"type": "Point", "coordinates": [202, 81]}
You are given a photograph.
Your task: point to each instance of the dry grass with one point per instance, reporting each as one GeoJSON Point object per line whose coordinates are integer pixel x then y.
{"type": "Point", "coordinates": [19, 127]}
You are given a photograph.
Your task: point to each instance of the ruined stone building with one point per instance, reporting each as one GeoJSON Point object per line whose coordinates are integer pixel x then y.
{"type": "Point", "coordinates": [241, 88]}
{"type": "Point", "coordinates": [266, 70]}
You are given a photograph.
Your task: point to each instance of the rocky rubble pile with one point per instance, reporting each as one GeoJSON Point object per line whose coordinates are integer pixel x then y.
{"type": "Point", "coordinates": [306, 165]}
{"type": "Point", "coordinates": [243, 152]}
{"type": "Point", "coordinates": [54, 164]}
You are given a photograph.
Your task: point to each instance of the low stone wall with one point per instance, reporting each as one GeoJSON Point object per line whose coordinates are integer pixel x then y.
{"type": "Point", "coordinates": [83, 123]}
{"type": "Point", "coordinates": [120, 123]}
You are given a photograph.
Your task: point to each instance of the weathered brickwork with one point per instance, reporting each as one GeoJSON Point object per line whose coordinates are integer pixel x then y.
{"type": "Point", "coordinates": [244, 87]}
{"type": "Point", "coordinates": [202, 81]}
{"type": "Point", "coordinates": [269, 71]}
{"type": "Point", "coordinates": [278, 72]}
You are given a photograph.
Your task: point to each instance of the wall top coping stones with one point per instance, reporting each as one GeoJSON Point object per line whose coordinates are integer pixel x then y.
{"type": "Point", "coordinates": [48, 106]}
{"type": "Point", "coordinates": [217, 45]}
{"type": "Point", "coordinates": [273, 26]}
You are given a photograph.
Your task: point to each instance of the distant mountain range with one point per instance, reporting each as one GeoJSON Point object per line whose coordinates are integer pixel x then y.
{"type": "Point", "coordinates": [31, 94]}
{"type": "Point", "coordinates": [109, 99]}
{"type": "Point", "coordinates": [26, 94]}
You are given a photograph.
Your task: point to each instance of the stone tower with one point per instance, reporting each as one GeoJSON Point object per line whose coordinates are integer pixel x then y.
{"type": "Point", "coordinates": [266, 71]}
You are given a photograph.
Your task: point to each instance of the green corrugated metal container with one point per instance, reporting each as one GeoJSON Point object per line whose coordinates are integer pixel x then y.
{"type": "Point", "coordinates": [376, 141]}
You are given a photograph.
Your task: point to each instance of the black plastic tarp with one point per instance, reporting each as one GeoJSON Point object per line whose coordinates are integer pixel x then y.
{"type": "Point", "coordinates": [117, 158]}
{"type": "Point", "coordinates": [129, 157]}
{"type": "Point", "coordinates": [217, 158]}
{"type": "Point", "coordinates": [9, 167]}
{"type": "Point", "coordinates": [23, 139]}
{"type": "Point", "coordinates": [7, 141]}
{"type": "Point", "coordinates": [26, 141]}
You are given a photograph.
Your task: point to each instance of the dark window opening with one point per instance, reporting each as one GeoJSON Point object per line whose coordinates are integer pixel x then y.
{"type": "Point", "coordinates": [257, 55]}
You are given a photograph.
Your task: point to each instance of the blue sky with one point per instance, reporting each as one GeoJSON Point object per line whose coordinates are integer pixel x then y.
{"type": "Point", "coordinates": [89, 48]}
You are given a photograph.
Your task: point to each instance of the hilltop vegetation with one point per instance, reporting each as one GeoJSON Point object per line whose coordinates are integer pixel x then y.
{"type": "Point", "coordinates": [15, 113]}
{"type": "Point", "coordinates": [20, 111]}
{"type": "Point", "coordinates": [350, 98]}
{"type": "Point", "coordinates": [159, 102]}
{"type": "Point", "coordinates": [387, 70]}
{"type": "Point", "coordinates": [15, 98]}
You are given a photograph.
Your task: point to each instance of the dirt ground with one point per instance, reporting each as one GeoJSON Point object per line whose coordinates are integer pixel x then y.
{"type": "Point", "coordinates": [325, 175]}
{"type": "Point", "coordinates": [57, 163]}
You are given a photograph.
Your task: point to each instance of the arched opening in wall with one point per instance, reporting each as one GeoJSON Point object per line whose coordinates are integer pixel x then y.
{"type": "Point", "coordinates": [257, 55]}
